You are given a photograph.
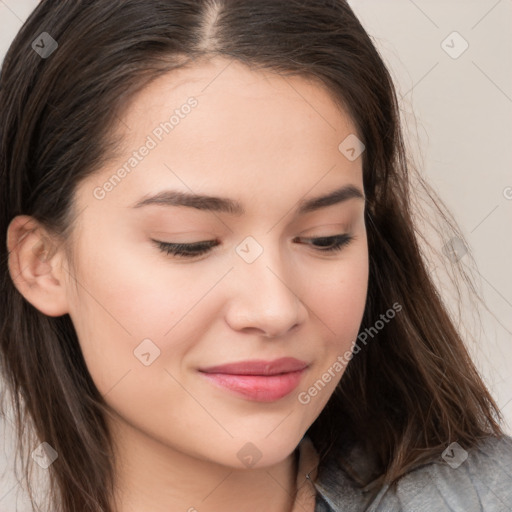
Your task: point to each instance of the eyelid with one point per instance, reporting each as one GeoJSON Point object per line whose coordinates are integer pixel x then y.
{"type": "Point", "coordinates": [184, 251]}
{"type": "Point", "coordinates": [338, 227]}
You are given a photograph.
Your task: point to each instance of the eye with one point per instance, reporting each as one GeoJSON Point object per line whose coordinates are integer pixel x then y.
{"type": "Point", "coordinates": [332, 243]}
{"type": "Point", "coordinates": [323, 244]}
{"type": "Point", "coordinates": [186, 250]}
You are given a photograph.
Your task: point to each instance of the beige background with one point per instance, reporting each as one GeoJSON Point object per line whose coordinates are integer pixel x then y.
{"type": "Point", "coordinates": [458, 110]}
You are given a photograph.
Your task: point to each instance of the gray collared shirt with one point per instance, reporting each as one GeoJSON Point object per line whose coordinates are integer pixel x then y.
{"type": "Point", "coordinates": [476, 480]}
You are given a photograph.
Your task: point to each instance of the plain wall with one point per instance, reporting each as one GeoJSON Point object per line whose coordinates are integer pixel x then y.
{"type": "Point", "coordinates": [458, 111]}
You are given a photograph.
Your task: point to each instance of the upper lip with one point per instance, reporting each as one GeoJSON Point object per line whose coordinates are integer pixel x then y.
{"type": "Point", "coordinates": [258, 367]}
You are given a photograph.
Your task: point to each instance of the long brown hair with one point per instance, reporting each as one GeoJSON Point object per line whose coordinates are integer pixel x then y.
{"type": "Point", "coordinates": [406, 394]}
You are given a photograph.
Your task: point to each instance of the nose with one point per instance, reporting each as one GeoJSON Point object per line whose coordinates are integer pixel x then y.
{"type": "Point", "coordinates": [264, 296]}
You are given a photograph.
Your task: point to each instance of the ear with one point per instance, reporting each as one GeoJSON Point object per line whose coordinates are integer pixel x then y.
{"type": "Point", "coordinates": [35, 266]}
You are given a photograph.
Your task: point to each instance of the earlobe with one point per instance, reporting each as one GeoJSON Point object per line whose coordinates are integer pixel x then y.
{"type": "Point", "coordinates": [35, 266]}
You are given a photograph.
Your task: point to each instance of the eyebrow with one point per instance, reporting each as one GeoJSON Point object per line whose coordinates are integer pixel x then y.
{"type": "Point", "coordinates": [232, 207]}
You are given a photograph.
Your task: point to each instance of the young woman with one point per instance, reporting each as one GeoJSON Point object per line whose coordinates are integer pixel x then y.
{"type": "Point", "coordinates": [214, 295]}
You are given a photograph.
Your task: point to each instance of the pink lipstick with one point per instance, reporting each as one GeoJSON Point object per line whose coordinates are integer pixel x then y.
{"type": "Point", "coordinates": [261, 381]}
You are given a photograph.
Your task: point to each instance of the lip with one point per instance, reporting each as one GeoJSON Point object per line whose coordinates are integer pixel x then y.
{"type": "Point", "coordinates": [258, 367]}
{"type": "Point", "coordinates": [257, 380]}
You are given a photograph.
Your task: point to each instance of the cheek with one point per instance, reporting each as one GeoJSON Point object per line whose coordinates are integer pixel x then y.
{"type": "Point", "coordinates": [340, 299]}
{"type": "Point", "coordinates": [339, 296]}
{"type": "Point", "coordinates": [121, 301]}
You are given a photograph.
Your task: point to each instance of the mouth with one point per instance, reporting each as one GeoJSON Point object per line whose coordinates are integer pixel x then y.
{"type": "Point", "coordinates": [256, 380]}
{"type": "Point", "coordinates": [259, 388]}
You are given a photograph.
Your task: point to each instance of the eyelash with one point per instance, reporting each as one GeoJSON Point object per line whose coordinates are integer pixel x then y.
{"type": "Point", "coordinates": [200, 248]}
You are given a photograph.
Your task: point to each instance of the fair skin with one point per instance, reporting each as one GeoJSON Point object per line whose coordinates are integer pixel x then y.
{"type": "Point", "coordinates": [267, 142]}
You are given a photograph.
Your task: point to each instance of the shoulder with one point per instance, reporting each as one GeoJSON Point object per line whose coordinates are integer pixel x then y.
{"type": "Point", "coordinates": [475, 480]}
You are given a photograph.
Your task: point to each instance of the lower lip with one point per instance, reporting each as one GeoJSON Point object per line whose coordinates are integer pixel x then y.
{"type": "Point", "coordinates": [259, 388]}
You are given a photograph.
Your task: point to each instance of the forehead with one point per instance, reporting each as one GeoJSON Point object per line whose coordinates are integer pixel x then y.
{"type": "Point", "coordinates": [223, 128]}
{"type": "Point", "coordinates": [230, 96]}
{"type": "Point", "coordinates": [222, 79]}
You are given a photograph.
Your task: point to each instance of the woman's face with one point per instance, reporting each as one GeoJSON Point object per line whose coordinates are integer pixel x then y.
{"type": "Point", "coordinates": [148, 321]}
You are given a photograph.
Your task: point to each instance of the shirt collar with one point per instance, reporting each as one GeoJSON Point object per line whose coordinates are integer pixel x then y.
{"type": "Point", "coordinates": [346, 474]}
